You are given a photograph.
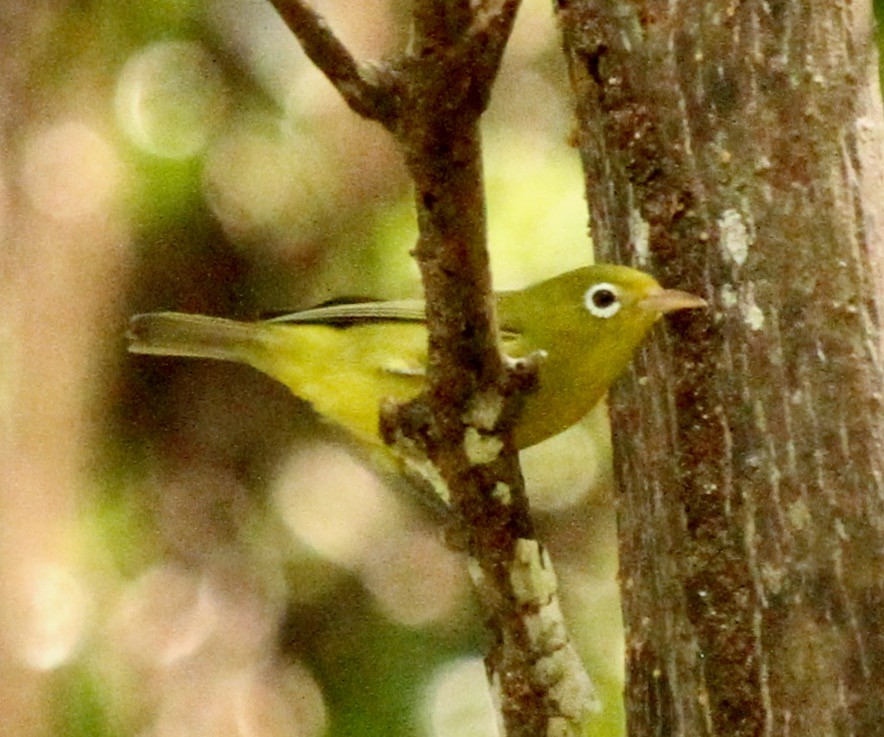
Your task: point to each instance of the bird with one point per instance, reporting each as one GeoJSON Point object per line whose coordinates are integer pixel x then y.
{"type": "Point", "coordinates": [345, 359]}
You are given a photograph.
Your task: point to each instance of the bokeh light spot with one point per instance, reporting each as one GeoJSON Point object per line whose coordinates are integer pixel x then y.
{"type": "Point", "coordinates": [170, 99]}
{"type": "Point", "coordinates": [69, 171]}
{"type": "Point", "coordinates": [250, 177]}
{"type": "Point", "coordinates": [415, 579]}
{"type": "Point", "coordinates": [459, 703]}
{"type": "Point", "coordinates": [334, 504]}
{"type": "Point", "coordinates": [166, 615]}
{"type": "Point", "coordinates": [269, 183]}
{"type": "Point", "coordinates": [289, 705]}
{"type": "Point", "coordinates": [253, 701]}
{"type": "Point", "coordinates": [56, 614]}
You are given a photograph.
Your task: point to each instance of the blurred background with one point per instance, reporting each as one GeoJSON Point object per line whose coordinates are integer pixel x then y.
{"type": "Point", "coordinates": [185, 551]}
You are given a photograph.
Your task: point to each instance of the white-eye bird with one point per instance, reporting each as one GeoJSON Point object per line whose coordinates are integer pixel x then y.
{"type": "Point", "coordinates": [344, 359]}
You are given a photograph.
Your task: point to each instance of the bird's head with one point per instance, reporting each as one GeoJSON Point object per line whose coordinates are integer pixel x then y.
{"type": "Point", "coordinates": [597, 313]}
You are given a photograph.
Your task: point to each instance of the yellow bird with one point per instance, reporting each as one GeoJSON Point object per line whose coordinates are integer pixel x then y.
{"type": "Point", "coordinates": [344, 359]}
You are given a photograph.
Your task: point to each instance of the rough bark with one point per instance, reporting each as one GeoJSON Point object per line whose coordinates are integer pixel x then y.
{"type": "Point", "coordinates": [734, 149]}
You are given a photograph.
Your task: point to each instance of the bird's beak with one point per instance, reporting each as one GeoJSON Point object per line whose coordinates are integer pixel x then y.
{"type": "Point", "coordinates": [670, 300]}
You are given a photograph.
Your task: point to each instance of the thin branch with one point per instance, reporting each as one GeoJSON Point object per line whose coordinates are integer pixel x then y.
{"type": "Point", "coordinates": [362, 85]}
{"type": "Point", "coordinates": [463, 422]}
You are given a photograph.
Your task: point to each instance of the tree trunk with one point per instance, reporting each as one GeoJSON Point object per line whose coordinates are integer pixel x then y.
{"type": "Point", "coordinates": [734, 149]}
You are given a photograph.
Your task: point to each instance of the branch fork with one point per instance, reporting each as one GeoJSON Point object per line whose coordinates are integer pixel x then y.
{"type": "Point", "coordinates": [373, 90]}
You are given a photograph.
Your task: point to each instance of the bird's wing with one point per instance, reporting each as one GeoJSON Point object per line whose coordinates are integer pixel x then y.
{"type": "Point", "coordinates": [343, 314]}
{"type": "Point", "coordinates": [363, 312]}
{"type": "Point", "coordinates": [409, 357]}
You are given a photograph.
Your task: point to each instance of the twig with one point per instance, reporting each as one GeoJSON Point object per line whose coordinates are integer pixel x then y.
{"type": "Point", "coordinates": [365, 87]}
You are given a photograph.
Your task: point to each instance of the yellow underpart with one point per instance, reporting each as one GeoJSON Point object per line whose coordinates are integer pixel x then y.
{"type": "Point", "coordinates": [346, 373]}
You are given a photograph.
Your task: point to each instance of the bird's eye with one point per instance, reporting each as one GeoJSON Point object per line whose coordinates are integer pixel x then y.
{"type": "Point", "coordinates": [602, 300]}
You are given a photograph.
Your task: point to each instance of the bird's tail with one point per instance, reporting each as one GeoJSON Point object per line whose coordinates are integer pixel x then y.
{"type": "Point", "coordinates": [195, 336]}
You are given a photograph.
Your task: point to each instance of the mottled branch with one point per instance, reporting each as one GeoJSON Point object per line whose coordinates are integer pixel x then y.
{"type": "Point", "coordinates": [463, 421]}
{"type": "Point", "coordinates": [458, 433]}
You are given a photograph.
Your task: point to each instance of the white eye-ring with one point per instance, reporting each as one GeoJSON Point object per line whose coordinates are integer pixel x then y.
{"type": "Point", "coordinates": [602, 300]}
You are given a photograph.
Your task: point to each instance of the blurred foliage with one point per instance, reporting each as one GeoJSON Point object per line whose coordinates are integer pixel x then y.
{"type": "Point", "coordinates": [226, 177]}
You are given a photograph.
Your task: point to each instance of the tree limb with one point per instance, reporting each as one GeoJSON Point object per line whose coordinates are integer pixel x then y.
{"type": "Point", "coordinates": [462, 423]}
{"type": "Point", "coordinates": [538, 682]}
